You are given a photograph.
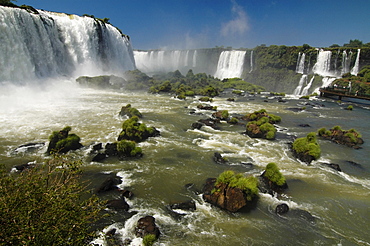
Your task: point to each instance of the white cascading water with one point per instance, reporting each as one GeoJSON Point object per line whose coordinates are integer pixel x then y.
{"type": "Point", "coordinates": [53, 44]}
{"type": "Point", "coordinates": [251, 61]}
{"type": "Point", "coordinates": [300, 63]}
{"type": "Point", "coordinates": [322, 65]}
{"type": "Point", "coordinates": [346, 61]}
{"type": "Point", "coordinates": [355, 68]}
{"type": "Point", "coordinates": [164, 61]}
{"type": "Point", "coordinates": [307, 87]}
{"type": "Point", "coordinates": [230, 64]}
{"type": "Point", "coordinates": [303, 80]}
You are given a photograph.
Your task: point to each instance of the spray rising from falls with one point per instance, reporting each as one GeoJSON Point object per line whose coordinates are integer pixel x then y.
{"type": "Point", "coordinates": [230, 64]}
{"type": "Point", "coordinates": [165, 61]}
{"type": "Point", "coordinates": [47, 44]}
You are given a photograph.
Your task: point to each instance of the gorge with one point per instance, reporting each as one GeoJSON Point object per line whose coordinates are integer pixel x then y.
{"type": "Point", "coordinates": [43, 54]}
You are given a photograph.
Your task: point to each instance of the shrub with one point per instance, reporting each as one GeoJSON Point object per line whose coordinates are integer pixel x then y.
{"type": "Point", "coordinates": [62, 142]}
{"type": "Point", "coordinates": [130, 111]}
{"type": "Point", "coordinates": [135, 131]}
{"type": "Point", "coordinates": [350, 107]}
{"type": "Point", "coordinates": [307, 146]}
{"type": "Point", "coordinates": [273, 173]}
{"type": "Point", "coordinates": [149, 239]}
{"type": "Point", "coordinates": [44, 206]}
{"type": "Point", "coordinates": [321, 131]}
{"type": "Point", "coordinates": [234, 120]}
{"type": "Point", "coordinates": [128, 148]}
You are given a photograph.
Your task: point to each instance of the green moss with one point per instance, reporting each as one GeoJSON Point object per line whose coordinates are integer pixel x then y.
{"type": "Point", "coordinates": [308, 146]}
{"type": "Point", "coordinates": [234, 120]}
{"type": "Point", "coordinates": [128, 148]}
{"type": "Point", "coordinates": [133, 130]}
{"type": "Point", "coordinates": [321, 131]}
{"type": "Point", "coordinates": [149, 239]}
{"type": "Point", "coordinates": [224, 114]}
{"type": "Point", "coordinates": [205, 99]}
{"type": "Point", "coordinates": [273, 173]}
{"type": "Point", "coordinates": [130, 111]}
{"type": "Point", "coordinates": [248, 184]}
{"type": "Point", "coordinates": [62, 142]}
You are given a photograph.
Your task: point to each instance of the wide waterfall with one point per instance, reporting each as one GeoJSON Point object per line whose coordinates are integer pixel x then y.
{"type": "Point", "coordinates": [165, 61]}
{"type": "Point", "coordinates": [322, 66]}
{"type": "Point", "coordinates": [230, 64]}
{"type": "Point", "coordinates": [44, 45]}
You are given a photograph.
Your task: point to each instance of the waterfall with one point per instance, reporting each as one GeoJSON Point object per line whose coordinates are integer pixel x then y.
{"type": "Point", "coordinates": [50, 44]}
{"type": "Point", "coordinates": [230, 64]}
{"type": "Point", "coordinates": [300, 63]}
{"type": "Point", "coordinates": [251, 61]}
{"type": "Point", "coordinates": [355, 68]}
{"type": "Point", "coordinates": [297, 90]}
{"type": "Point", "coordinates": [307, 87]}
{"type": "Point", "coordinates": [195, 58]}
{"type": "Point", "coordinates": [322, 65]}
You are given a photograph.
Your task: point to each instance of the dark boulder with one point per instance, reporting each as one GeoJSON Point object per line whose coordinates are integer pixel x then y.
{"type": "Point", "coordinates": [118, 204]}
{"type": "Point", "coordinates": [196, 125]}
{"type": "Point", "coordinates": [146, 226]}
{"type": "Point", "coordinates": [205, 107]}
{"type": "Point", "coordinates": [333, 166]}
{"type": "Point", "coordinates": [282, 209]}
{"type": "Point", "coordinates": [210, 122]}
{"type": "Point", "coordinates": [187, 205]}
{"type": "Point", "coordinates": [29, 147]}
{"type": "Point", "coordinates": [127, 194]}
{"type": "Point", "coordinates": [217, 157]}
{"type": "Point", "coordinates": [109, 184]}
{"type": "Point", "coordinates": [304, 125]}
{"type": "Point", "coordinates": [99, 157]}
{"type": "Point", "coordinates": [267, 186]}
{"type": "Point", "coordinates": [23, 167]}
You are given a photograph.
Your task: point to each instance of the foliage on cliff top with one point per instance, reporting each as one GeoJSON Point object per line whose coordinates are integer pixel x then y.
{"type": "Point", "coordinates": [45, 206]}
{"type": "Point", "coordinates": [247, 184]}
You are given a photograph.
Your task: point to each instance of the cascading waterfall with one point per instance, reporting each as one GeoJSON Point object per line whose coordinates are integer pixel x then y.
{"type": "Point", "coordinates": [322, 66]}
{"type": "Point", "coordinates": [300, 63]}
{"type": "Point", "coordinates": [165, 61]}
{"type": "Point", "coordinates": [251, 61]}
{"type": "Point", "coordinates": [230, 64]}
{"type": "Point", "coordinates": [303, 80]}
{"type": "Point", "coordinates": [307, 87]}
{"type": "Point", "coordinates": [346, 61]}
{"type": "Point", "coordinates": [355, 68]}
{"type": "Point", "coordinates": [50, 44]}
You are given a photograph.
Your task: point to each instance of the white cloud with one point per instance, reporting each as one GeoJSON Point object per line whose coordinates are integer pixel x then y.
{"type": "Point", "coordinates": [238, 25]}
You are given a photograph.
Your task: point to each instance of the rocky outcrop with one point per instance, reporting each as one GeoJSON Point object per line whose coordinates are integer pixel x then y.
{"type": "Point", "coordinates": [102, 82]}
{"type": "Point", "coordinates": [109, 184]}
{"type": "Point", "coordinates": [350, 138]}
{"type": "Point", "coordinates": [217, 157]}
{"type": "Point", "coordinates": [130, 111]}
{"type": "Point", "coordinates": [62, 141]}
{"type": "Point", "coordinates": [145, 226]}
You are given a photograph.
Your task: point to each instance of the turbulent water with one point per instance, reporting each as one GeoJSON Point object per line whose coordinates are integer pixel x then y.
{"type": "Point", "coordinates": [327, 207]}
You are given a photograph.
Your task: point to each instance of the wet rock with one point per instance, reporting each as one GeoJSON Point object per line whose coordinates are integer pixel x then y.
{"type": "Point", "coordinates": [146, 226]}
{"type": "Point", "coordinates": [333, 166]}
{"type": "Point", "coordinates": [118, 204]}
{"type": "Point", "coordinates": [231, 99]}
{"type": "Point", "coordinates": [282, 209]}
{"type": "Point", "coordinates": [304, 125]}
{"type": "Point", "coordinates": [266, 186]}
{"type": "Point", "coordinates": [187, 205]}
{"type": "Point", "coordinates": [22, 167]}
{"type": "Point", "coordinates": [99, 157]}
{"type": "Point", "coordinates": [109, 184]}
{"type": "Point", "coordinates": [97, 147]}
{"type": "Point", "coordinates": [127, 194]}
{"type": "Point", "coordinates": [210, 122]}
{"type": "Point", "coordinates": [205, 107]}
{"type": "Point", "coordinates": [217, 157]}
{"type": "Point", "coordinates": [29, 147]}
{"type": "Point", "coordinates": [196, 125]}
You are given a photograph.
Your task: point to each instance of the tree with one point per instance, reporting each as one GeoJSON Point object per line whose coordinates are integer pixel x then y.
{"type": "Point", "coordinates": [354, 43]}
{"type": "Point", "coordinates": [44, 206]}
{"type": "Point", "coordinates": [8, 3]}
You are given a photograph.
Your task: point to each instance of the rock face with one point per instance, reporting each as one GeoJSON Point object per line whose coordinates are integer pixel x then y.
{"type": "Point", "coordinates": [145, 226]}
{"type": "Point", "coordinates": [229, 198]}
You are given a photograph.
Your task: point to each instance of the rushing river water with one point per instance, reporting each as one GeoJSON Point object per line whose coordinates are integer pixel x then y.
{"type": "Point", "coordinates": [327, 207]}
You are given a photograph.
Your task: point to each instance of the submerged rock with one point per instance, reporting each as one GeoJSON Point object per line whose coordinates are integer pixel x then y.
{"type": "Point", "coordinates": [282, 209]}
{"type": "Point", "coordinates": [217, 157]}
{"type": "Point", "coordinates": [109, 184]}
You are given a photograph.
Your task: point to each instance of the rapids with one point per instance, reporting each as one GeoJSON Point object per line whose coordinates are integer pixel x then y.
{"type": "Point", "coordinates": [336, 203]}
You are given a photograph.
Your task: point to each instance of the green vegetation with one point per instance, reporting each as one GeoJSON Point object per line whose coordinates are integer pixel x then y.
{"type": "Point", "coordinates": [307, 146]}
{"type": "Point", "coordinates": [233, 120]}
{"type": "Point", "coordinates": [8, 3]}
{"type": "Point", "coordinates": [360, 84]}
{"type": "Point", "coordinates": [62, 142]}
{"type": "Point", "coordinates": [128, 148]}
{"type": "Point", "coordinates": [47, 205]}
{"type": "Point", "coordinates": [350, 107]}
{"type": "Point", "coordinates": [256, 115]}
{"type": "Point", "coordinates": [149, 239]}
{"type": "Point", "coordinates": [336, 134]}
{"type": "Point", "coordinates": [205, 99]}
{"type": "Point", "coordinates": [135, 131]}
{"type": "Point", "coordinates": [261, 129]}
{"type": "Point", "coordinates": [247, 184]}
{"type": "Point", "coordinates": [130, 111]}
{"type": "Point", "coordinates": [103, 81]}
{"type": "Point", "coordinates": [273, 173]}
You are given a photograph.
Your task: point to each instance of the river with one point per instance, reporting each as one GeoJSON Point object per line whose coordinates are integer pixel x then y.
{"type": "Point", "coordinates": [327, 207]}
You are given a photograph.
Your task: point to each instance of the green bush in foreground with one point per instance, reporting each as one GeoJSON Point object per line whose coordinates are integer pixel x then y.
{"type": "Point", "coordinates": [44, 206]}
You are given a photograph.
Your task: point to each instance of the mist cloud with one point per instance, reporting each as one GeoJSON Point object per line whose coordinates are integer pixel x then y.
{"type": "Point", "coordinates": [238, 25]}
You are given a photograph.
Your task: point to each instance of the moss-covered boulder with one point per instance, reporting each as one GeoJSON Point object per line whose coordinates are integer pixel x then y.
{"type": "Point", "coordinates": [222, 115]}
{"type": "Point", "coordinates": [231, 191]}
{"type": "Point", "coordinates": [255, 116]}
{"type": "Point", "coordinates": [130, 111]}
{"type": "Point", "coordinates": [351, 138]}
{"type": "Point", "coordinates": [307, 148]}
{"type": "Point", "coordinates": [261, 129]}
{"type": "Point", "coordinates": [62, 142]}
{"type": "Point", "coordinates": [272, 180]}
{"type": "Point", "coordinates": [135, 131]}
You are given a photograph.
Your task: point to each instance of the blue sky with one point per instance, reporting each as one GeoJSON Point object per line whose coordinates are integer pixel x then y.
{"type": "Point", "coordinates": [188, 24]}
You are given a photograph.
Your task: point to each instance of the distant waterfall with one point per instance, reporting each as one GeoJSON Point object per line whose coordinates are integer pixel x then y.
{"type": "Point", "coordinates": [230, 64]}
{"type": "Point", "coordinates": [322, 66]}
{"type": "Point", "coordinates": [300, 63]}
{"type": "Point", "coordinates": [303, 80]}
{"type": "Point", "coordinates": [355, 68]}
{"type": "Point", "coordinates": [165, 61]}
{"type": "Point", "coordinates": [50, 44]}
{"type": "Point", "coordinates": [251, 61]}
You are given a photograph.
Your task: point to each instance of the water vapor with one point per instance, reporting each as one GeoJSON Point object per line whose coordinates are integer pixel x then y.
{"type": "Point", "coordinates": [238, 25]}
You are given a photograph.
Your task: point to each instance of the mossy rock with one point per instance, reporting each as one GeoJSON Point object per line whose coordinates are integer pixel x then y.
{"type": "Point", "coordinates": [351, 138]}
{"type": "Point", "coordinates": [62, 142]}
{"type": "Point", "coordinates": [102, 82]}
{"type": "Point", "coordinates": [272, 180]}
{"type": "Point", "coordinates": [272, 119]}
{"type": "Point", "coordinates": [307, 148]}
{"type": "Point", "coordinates": [135, 131]}
{"type": "Point", "coordinates": [130, 111]}
{"type": "Point", "coordinates": [261, 129]}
